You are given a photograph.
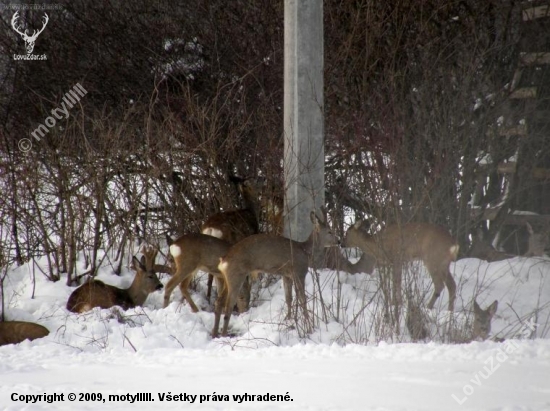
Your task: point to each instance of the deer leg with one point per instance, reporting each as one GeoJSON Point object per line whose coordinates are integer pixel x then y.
{"type": "Point", "coordinates": [209, 286]}
{"type": "Point", "coordinates": [219, 305]}
{"type": "Point", "coordinates": [184, 287]}
{"type": "Point", "coordinates": [438, 287]}
{"type": "Point", "coordinates": [176, 279]}
{"type": "Point", "coordinates": [231, 291]}
{"type": "Point", "coordinates": [451, 287]}
{"type": "Point", "coordinates": [287, 283]}
{"type": "Point", "coordinates": [396, 278]}
{"type": "Point", "coordinates": [396, 291]}
{"type": "Point", "coordinates": [300, 287]}
{"type": "Point", "coordinates": [244, 296]}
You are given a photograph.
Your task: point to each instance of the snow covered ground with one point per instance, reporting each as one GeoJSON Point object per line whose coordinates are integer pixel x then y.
{"type": "Point", "coordinates": [345, 364]}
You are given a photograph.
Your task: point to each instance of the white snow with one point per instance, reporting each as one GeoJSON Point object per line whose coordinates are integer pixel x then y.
{"type": "Point", "coordinates": [347, 363]}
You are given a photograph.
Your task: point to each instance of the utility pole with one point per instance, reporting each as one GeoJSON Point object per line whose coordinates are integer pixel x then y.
{"type": "Point", "coordinates": [304, 158]}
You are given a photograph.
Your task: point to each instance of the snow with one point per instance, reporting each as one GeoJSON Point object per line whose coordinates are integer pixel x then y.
{"type": "Point", "coordinates": [346, 363]}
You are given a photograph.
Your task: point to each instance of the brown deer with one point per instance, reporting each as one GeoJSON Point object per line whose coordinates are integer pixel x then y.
{"type": "Point", "coordinates": [482, 320]}
{"type": "Point", "coordinates": [96, 293]}
{"type": "Point", "coordinates": [193, 252]}
{"type": "Point", "coordinates": [483, 250]}
{"type": "Point", "coordinates": [418, 322]}
{"type": "Point", "coordinates": [234, 225]}
{"type": "Point", "coordinates": [272, 254]}
{"type": "Point", "coordinates": [537, 241]}
{"type": "Point", "coordinates": [14, 332]}
{"type": "Point", "coordinates": [398, 244]}
{"type": "Point", "coordinates": [334, 260]}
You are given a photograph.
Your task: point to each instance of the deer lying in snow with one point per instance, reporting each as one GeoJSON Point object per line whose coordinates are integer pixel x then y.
{"type": "Point", "coordinates": [482, 320]}
{"type": "Point", "coordinates": [398, 244]}
{"type": "Point", "coordinates": [418, 324]}
{"type": "Point", "coordinates": [96, 293]}
{"type": "Point", "coordinates": [14, 332]}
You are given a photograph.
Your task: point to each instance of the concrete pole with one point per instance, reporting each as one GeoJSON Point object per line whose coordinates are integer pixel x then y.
{"type": "Point", "coordinates": [304, 159]}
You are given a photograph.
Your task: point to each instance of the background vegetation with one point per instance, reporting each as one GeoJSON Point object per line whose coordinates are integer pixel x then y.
{"type": "Point", "coordinates": [182, 95]}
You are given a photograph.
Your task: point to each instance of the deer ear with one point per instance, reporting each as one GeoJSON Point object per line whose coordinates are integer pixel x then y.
{"type": "Point", "coordinates": [169, 240]}
{"type": "Point", "coordinates": [477, 308]}
{"type": "Point", "coordinates": [325, 214]}
{"type": "Point", "coordinates": [493, 308]}
{"type": "Point", "coordinates": [138, 265]}
{"type": "Point", "coordinates": [357, 224]}
{"type": "Point", "coordinates": [313, 217]}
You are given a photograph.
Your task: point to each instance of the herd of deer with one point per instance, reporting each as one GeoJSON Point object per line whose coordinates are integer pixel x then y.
{"type": "Point", "coordinates": [231, 249]}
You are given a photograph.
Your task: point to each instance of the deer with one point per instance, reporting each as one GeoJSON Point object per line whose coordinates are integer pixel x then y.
{"type": "Point", "coordinates": [272, 254]}
{"type": "Point", "coordinates": [483, 250]}
{"type": "Point", "coordinates": [193, 252]}
{"type": "Point", "coordinates": [234, 225]}
{"type": "Point", "coordinates": [537, 241]}
{"type": "Point", "coordinates": [482, 320]}
{"type": "Point", "coordinates": [418, 323]}
{"type": "Point", "coordinates": [96, 293]}
{"type": "Point", "coordinates": [397, 244]}
{"type": "Point", "coordinates": [14, 332]}
{"type": "Point", "coordinates": [334, 260]}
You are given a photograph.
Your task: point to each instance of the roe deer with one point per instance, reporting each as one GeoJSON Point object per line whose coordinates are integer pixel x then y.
{"type": "Point", "coordinates": [482, 320]}
{"type": "Point", "coordinates": [193, 252]}
{"type": "Point", "coordinates": [398, 244]}
{"type": "Point", "coordinates": [234, 225]}
{"type": "Point", "coordinates": [334, 260]}
{"type": "Point", "coordinates": [96, 293]}
{"type": "Point", "coordinates": [271, 254]}
{"type": "Point", "coordinates": [418, 321]}
{"type": "Point", "coordinates": [537, 241]}
{"type": "Point", "coordinates": [483, 250]}
{"type": "Point", "coordinates": [14, 332]}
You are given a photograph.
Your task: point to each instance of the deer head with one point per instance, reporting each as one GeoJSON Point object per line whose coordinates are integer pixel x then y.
{"type": "Point", "coordinates": [482, 320]}
{"type": "Point", "coordinates": [29, 40]}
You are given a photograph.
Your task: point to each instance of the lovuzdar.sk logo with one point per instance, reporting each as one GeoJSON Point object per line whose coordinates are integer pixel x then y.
{"type": "Point", "coordinates": [30, 39]}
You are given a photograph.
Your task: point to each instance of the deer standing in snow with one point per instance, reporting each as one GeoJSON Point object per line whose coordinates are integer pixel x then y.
{"type": "Point", "coordinates": [193, 252]}
{"type": "Point", "coordinates": [272, 254]}
{"type": "Point", "coordinates": [398, 244]}
{"type": "Point", "coordinates": [234, 225]}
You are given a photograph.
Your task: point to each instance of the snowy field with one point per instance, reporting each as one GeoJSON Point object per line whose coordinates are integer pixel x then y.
{"type": "Point", "coordinates": [107, 358]}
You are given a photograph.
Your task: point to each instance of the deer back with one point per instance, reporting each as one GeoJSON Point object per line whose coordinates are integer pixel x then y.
{"type": "Point", "coordinates": [267, 253]}
{"type": "Point", "coordinates": [428, 242]}
{"type": "Point", "coordinates": [198, 251]}
{"type": "Point", "coordinates": [278, 255]}
{"type": "Point", "coordinates": [14, 332]}
{"type": "Point", "coordinates": [234, 225]}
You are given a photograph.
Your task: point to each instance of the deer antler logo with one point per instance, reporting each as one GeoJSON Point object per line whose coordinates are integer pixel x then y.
{"type": "Point", "coordinates": [29, 40]}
